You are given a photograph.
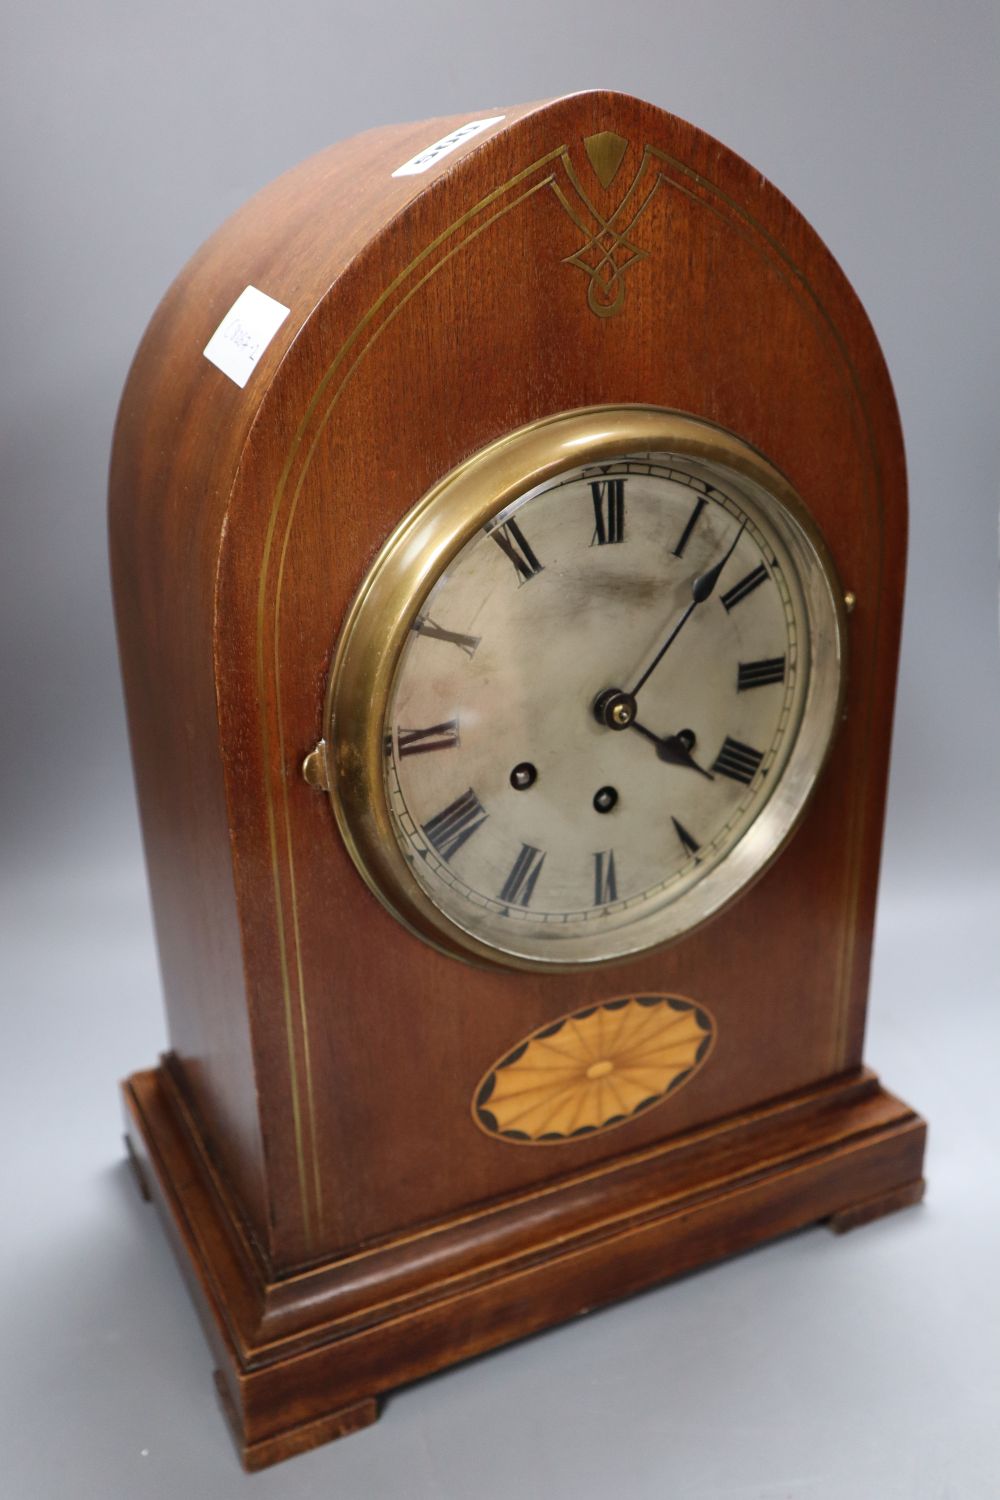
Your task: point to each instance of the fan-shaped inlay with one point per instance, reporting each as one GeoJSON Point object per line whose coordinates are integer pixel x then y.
{"type": "Point", "coordinates": [595, 1069]}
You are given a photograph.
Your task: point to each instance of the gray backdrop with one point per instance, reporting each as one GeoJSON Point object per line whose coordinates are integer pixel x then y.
{"type": "Point", "coordinates": [814, 1368]}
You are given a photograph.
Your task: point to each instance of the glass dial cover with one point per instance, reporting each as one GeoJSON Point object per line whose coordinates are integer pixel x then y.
{"type": "Point", "coordinates": [608, 696]}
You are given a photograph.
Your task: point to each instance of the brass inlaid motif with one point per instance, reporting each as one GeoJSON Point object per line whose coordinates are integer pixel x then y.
{"type": "Point", "coordinates": [605, 151]}
{"type": "Point", "coordinates": [593, 1070]}
{"type": "Point", "coordinates": [609, 248]}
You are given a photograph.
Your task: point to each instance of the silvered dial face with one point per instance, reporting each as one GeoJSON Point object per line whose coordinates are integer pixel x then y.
{"type": "Point", "coordinates": [596, 703]}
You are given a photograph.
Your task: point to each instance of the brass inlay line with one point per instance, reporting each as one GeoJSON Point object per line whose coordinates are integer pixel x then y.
{"type": "Point", "coordinates": [276, 631]}
{"type": "Point", "coordinates": [286, 991]}
{"type": "Point", "coordinates": [288, 1005]}
{"type": "Point", "coordinates": [303, 1019]}
{"type": "Point", "coordinates": [795, 277]}
{"type": "Point", "coordinates": [846, 963]}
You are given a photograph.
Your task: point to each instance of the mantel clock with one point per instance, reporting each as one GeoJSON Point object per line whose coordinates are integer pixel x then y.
{"type": "Point", "coordinates": [507, 526]}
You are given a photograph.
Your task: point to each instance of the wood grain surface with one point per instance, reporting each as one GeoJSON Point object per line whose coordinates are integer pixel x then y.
{"type": "Point", "coordinates": [323, 1059]}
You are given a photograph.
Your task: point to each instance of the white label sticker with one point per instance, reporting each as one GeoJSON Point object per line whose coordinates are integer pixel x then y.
{"type": "Point", "coordinates": [432, 154]}
{"type": "Point", "coordinates": [244, 333]}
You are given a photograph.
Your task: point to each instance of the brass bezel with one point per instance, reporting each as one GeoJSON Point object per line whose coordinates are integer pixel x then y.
{"type": "Point", "coordinates": [419, 550]}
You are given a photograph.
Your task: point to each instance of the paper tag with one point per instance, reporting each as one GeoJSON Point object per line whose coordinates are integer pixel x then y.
{"type": "Point", "coordinates": [244, 333]}
{"type": "Point", "coordinates": [432, 154]}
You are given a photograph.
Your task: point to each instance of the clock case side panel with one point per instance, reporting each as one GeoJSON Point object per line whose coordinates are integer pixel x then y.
{"type": "Point", "coordinates": [180, 437]}
{"type": "Point", "coordinates": [344, 958]}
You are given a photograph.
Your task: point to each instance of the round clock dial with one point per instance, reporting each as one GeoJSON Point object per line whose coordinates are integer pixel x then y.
{"type": "Point", "coordinates": [605, 699]}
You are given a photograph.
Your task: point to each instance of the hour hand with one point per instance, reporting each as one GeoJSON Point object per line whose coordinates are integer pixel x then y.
{"type": "Point", "coordinates": [674, 749]}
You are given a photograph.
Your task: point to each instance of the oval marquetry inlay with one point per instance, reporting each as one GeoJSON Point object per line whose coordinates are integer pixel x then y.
{"type": "Point", "coordinates": [594, 1069]}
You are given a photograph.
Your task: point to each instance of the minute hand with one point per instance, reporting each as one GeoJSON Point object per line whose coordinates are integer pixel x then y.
{"type": "Point", "coordinates": [701, 589]}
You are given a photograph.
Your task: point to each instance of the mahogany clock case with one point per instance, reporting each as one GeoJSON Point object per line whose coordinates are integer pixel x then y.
{"type": "Point", "coordinates": [343, 1222]}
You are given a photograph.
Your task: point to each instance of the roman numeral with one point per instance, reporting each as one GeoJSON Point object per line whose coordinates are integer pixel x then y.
{"type": "Point", "coordinates": [609, 511]}
{"type": "Point", "coordinates": [520, 884]}
{"type": "Point", "coordinates": [745, 586]}
{"type": "Point", "coordinates": [605, 884]}
{"type": "Point", "coordinates": [511, 540]}
{"type": "Point", "coordinates": [426, 626]}
{"type": "Point", "coordinates": [751, 674]}
{"type": "Point", "coordinates": [692, 523]}
{"type": "Point", "coordinates": [691, 845]}
{"type": "Point", "coordinates": [419, 741]}
{"type": "Point", "coordinates": [448, 830]}
{"type": "Point", "coordinates": [738, 761]}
